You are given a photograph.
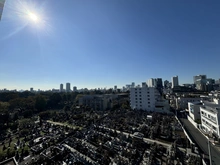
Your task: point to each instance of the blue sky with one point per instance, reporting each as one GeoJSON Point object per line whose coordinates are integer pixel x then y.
{"type": "Point", "coordinates": [102, 43]}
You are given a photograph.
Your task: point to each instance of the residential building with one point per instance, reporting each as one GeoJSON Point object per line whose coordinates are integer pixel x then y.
{"type": "Point", "coordinates": [175, 81]}
{"type": "Point", "coordinates": [143, 98]}
{"type": "Point", "coordinates": [210, 118]}
{"type": "Point", "coordinates": [194, 110]}
{"type": "Point", "coordinates": [31, 89]}
{"type": "Point", "coordinates": [182, 102]}
{"type": "Point", "coordinates": [61, 87]}
{"type": "Point", "coordinates": [68, 89]}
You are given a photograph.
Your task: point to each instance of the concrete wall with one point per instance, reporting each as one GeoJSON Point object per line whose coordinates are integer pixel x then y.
{"type": "Point", "coordinates": [192, 121]}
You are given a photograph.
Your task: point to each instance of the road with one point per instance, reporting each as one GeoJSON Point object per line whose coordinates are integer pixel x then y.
{"type": "Point", "coordinates": [201, 141]}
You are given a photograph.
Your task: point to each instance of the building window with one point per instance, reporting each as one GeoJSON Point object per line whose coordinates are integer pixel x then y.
{"type": "Point", "coordinates": [148, 102]}
{"type": "Point", "coordinates": [214, 128]}
{"type": "Point", "coordinates": [140, 102]}
{"type": "Point", "coordinates": [140, 99]}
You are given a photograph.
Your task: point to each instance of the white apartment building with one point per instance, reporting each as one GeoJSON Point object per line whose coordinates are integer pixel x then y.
{"type": "Point", "coordinates": [210, 118]}
{"type": "Point", "coordinates": [143, 98]}
{"type": "Point", "coordinates": [194, 110]}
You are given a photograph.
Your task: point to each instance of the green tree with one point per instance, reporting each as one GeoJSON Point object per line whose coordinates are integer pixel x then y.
{"type": "Point", "coordinates": [40, 103]}
{"type": "Point", "coordinates": [54, 100]}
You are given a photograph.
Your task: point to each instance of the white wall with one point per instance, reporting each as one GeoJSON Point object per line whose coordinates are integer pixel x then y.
{"type": "Point", "coordinates": [143, 98]}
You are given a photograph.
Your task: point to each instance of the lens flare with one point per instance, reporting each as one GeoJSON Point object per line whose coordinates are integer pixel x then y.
{"type": "Point", "coordinates": [28, 14]}
{"type": "Point", "coordinates": [33, 17]}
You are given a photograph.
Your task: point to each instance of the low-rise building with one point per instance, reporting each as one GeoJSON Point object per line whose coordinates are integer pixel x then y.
{"type": "Point", "coordinates": [194, 110]}
{"type": "Point", "coordinates": [97, 102]}
{"type": "Point", "coordinates": [210, 118]}
{"type": "Point", "coordinates": [182, 102]}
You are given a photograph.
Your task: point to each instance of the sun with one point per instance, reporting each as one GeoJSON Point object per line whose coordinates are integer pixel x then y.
{"type": "Point", "coordinates": [33, 17]}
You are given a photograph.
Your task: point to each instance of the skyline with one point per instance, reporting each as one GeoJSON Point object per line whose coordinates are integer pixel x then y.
{"type": "Point", "coordinates": [106, 43]}
{"type": "Point", "coordinates": [103, 87]}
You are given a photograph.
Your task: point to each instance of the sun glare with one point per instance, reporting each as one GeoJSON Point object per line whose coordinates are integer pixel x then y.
{"type": "Point", "coordinates": [33, 17]}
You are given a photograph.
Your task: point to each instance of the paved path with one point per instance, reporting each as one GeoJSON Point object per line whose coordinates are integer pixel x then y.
{"type": "Point", "coordinates": [202, 142]}
{"type": "Point", "coordinates": [146, 139]}
{"type": "Point", "coordinates": [63, 124]}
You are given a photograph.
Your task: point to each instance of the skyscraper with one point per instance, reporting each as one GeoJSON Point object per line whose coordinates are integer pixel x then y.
{"type": "Point", "coordinates": [68, 87]}
{"type": "Point", "coordinates": [166, 82]}
{"type": "Point", "coordinates": [200, 82]}
{"type": "Point", "coordinates": [61, 87]}
{"type": "Point", "coordinates": [198, 77]}
{"type": "Point", "coordinates": [158, 83]}
{"type": "Point", "coordinates": [74, 89]}
{"type": "Point", "coordinates": [151, 82]}
{"type": "Point", "coordinates": [175, 81]}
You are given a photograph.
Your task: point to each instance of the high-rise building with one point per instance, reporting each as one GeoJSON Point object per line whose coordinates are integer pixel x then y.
{"type": "Point", "coordinates": [31, 89]}
{"type": "Point", "coordinates": [115, 88]}
{"type": "Point", "coordinates": [68, 89]}
{"type": "Point", "coordinates": [198, 78]}
{"type": "Point", "coordinates": [155, 82]}
{"type": "Point", "coordinates": [166, 84]}
{"type": "Point", "coordinates": [158, 83]}
{"type": "Point", "coordinates": [74, 89]}
{"type": "Point", "coordinates": [61, 87]}
{"type": "Point", "coordinates": [151, 82]}
{"type": "Point", "coordinates": [175, 81]}
{"type": "Point", "coordinates": [200, 82]}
